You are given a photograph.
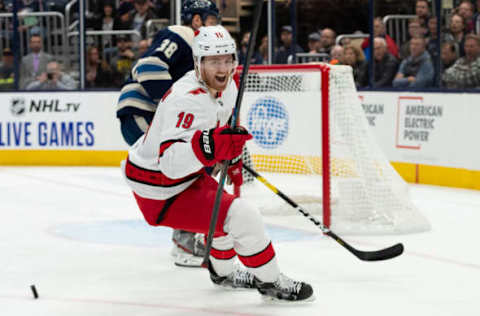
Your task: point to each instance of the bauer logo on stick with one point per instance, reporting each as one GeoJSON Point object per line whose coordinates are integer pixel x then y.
{"type": "Point", "coordinates": [268, 122]}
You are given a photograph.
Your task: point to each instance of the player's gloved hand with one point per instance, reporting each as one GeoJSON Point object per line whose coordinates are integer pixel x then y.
{"type": "Point", "coordinates": [234, 171]}
{"type": "Point", "coordinates": [218, 144]}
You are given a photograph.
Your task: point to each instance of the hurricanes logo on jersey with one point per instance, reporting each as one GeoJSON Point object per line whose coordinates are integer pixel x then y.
{"type": "Point", "coordinates": [268, 122]}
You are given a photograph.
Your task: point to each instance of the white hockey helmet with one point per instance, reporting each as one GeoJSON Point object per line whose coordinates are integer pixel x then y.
{"type": "Point", "coordinates": [211, 41]}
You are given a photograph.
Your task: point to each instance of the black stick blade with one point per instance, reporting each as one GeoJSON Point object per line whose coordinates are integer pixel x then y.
{"type": "Point", "coordinates": [384, 254]}
{"type": "Point", "coordinates": [377, 255]}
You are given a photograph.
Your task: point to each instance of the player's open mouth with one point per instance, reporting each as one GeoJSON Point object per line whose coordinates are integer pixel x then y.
{"type": "Point", "coordinates": [221, 78]}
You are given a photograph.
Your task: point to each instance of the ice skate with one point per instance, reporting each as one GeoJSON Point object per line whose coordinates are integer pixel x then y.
{"type": "Point", "coordinates": [240, 278]}
{"type": "Point", "coordinates": [188, 249]}
{"type": "Point", "coordinates": [285, 289]}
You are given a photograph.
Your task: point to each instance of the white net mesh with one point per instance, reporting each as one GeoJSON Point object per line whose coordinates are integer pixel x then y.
{"type": "Point", "coordinates": [282, 109]}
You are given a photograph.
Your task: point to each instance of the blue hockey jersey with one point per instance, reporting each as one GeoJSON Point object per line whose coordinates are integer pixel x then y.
{"type": "Point", "coordinates": [167, 60]}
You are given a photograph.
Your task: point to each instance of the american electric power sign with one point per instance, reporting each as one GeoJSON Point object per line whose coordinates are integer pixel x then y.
{"type": "Point", "coordinates": [415, 118]}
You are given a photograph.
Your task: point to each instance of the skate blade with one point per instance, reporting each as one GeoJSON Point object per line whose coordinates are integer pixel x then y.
{"type": "Point", "coordinates": [273, 300]}
{"type": "Point", "coordinates": [189, 261]}
{"type": "Point", "coordinates": [174, 252]}
{"type": "Point", "coordinates": [230, 288]}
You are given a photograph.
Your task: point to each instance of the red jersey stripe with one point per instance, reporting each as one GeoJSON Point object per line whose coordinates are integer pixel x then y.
{"type": "Point", "coordinates": [155, 178]}
{"type": "Point", "coordinates": [166, 94]}
{"type": "Point", "coordinates": [197, 91]}
{"type": "Point", "coordinates": [168, 143]}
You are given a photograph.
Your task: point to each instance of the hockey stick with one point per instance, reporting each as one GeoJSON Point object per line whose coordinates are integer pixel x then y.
{"type": "Point", "coordinates": [236, 111]}
{"type": "Point", "coordinates": [383, 254]}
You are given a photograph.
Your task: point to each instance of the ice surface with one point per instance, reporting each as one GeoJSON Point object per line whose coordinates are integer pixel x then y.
{"type": "Point", "coordinates": [77, 235]}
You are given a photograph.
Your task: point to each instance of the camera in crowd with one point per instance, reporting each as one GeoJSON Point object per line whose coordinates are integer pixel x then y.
{"type": "Point", "coordinates": [50, 75]}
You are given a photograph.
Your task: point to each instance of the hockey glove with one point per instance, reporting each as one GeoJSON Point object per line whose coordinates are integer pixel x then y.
{"type": "Point", "coordinates": [219, 144]}
{"type": "Point", "coordinates": [234, 171]}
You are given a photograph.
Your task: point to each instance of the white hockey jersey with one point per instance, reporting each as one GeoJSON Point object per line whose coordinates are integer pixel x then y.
{"type": "Point", "coordinates": [162, 163]}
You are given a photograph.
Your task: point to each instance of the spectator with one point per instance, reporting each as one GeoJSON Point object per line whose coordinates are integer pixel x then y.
{"type": "Point", "coordinates": [414, 30]}
{"type": "Point", "coordinates": [35, 63]}
{"type": "Point", "coordinates": [7, 80]}
{"type": "Point", "coordinates": [53, 79]}
{"type": "Point", "coordinates": [327, 40]}
{"type": "Point", "coordinates": [476, 19]}
{"type": "Point", "coordinates": [356, 59]}
{"type": "Point", "coordinates": [314, 43]}
{"type": "Point", "coordinates": [142, 47]}
{"type": "Point", "coordinates": [242, 52]}
{"type": "Point", "coordinates": [465, 73]}
{"type": "Point", "coordinates": [416, 71]}
{"type": "Point", "coordinates": [143, 12]}
{"type": "Point", "coordinates": [448, 55]}
{"type": "Point", "coordinates": [98, 72]}
{"type": "Point", "coordinates": [161, 8]}
{"type": "Point", "coordinates": [123, 58]}
{"type": "Point", "coordinates": [263, 49]}
{"type": "Point", "coordinates": [432, 42]}
{"type": "Point", "coordinates": [386, 64]}
{"type": "Point", "coordinates": [345, 41]}
{"type": "Point", "coordinates": [466, 11]}
{"type": "Point", "coordinates": [379, 31]}
{"type": "Point", "coordinates": [94, 6]}
{"type": "Point", "coordinates": [337, 55]}
{"type": "Point", "coordinates": [124, 18]}
{"type": "Point", "coordinates": [106, 22]}
{"type": "Point", "coordinates": [286, 50]}
{"type": "Point", "coordinates": [457, 31]}
{"type": "Point", "coordinates": [422, 11]}
{"type": "Point", "coordinates": [432, 39]}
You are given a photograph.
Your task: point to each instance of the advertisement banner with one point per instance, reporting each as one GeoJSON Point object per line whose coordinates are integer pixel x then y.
{"type": "Point", "coordinates": [425, 128]}
{"type": "Point", "coordinates": [437, 129]}
{"type": "Point", "coordinates": [60, 120]}
{"type": "Point", "coordinates": [283, 123]}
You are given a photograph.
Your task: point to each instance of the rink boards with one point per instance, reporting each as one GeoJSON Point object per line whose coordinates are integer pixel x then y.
{"type": "Point", "coordinates": [429, 137]}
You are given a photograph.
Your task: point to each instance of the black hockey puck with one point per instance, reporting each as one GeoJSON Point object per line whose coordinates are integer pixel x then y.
{"type": "Point", "coordinates": [34, 291]}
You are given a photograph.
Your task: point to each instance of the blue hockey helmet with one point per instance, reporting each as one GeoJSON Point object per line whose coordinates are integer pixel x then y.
{"type": "Point", "coordinates": [204, 8]}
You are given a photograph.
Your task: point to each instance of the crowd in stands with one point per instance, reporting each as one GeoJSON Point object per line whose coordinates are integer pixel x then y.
{"type": "Point", "coordinates": [108, 61]}
{"type": "Point", "coordinates": [415, 63]}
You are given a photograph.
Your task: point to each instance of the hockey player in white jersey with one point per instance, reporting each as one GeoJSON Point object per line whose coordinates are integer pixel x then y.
{"type": "Point", "coordinates": [166, 171]}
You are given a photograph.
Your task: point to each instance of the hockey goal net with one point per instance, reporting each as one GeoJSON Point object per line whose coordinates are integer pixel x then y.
{"type": "Point", "coordinates": [306, 119]}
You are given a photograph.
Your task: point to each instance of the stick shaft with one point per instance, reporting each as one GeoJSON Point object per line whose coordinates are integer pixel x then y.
{"type": "Point", "coordinates": [236, 111]}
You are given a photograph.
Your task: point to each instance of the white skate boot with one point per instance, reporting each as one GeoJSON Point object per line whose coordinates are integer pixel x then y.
{"type": "Point", "coordinates": [240, 278]}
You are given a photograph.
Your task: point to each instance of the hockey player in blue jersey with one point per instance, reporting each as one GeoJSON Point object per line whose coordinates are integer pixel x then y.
{"type": "Point", "coordinates": [167, 60]}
